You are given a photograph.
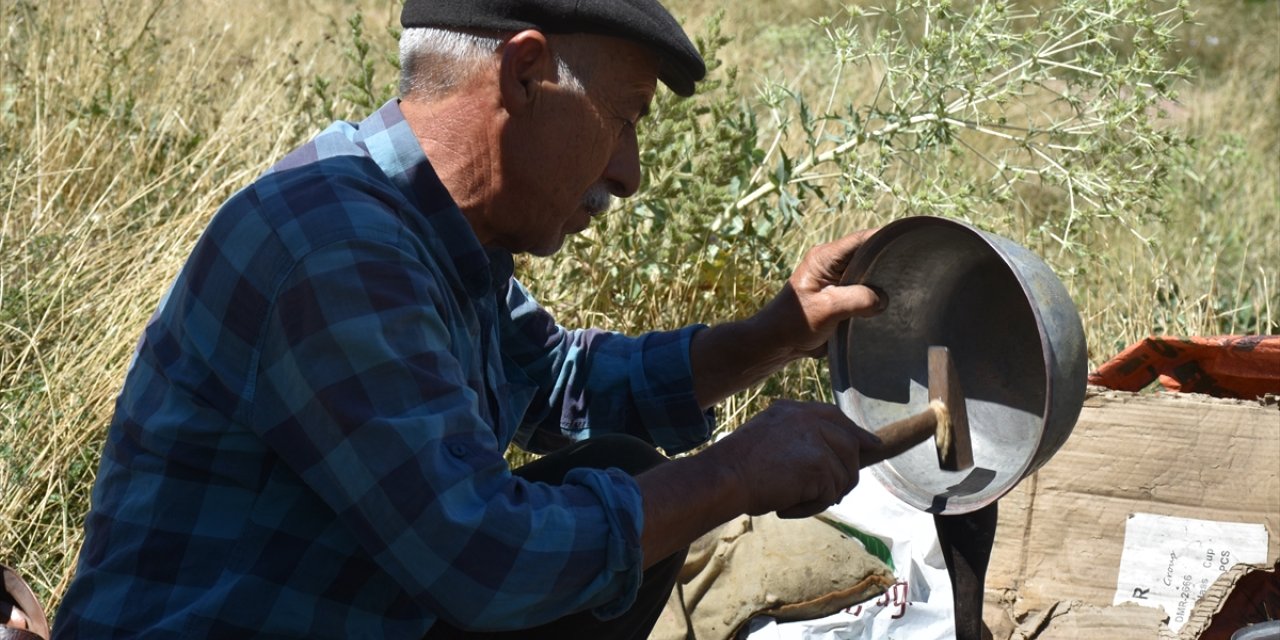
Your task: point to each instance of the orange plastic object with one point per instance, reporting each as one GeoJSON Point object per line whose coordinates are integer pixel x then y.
{"type": "Point", "coordinates": [1224, 366]}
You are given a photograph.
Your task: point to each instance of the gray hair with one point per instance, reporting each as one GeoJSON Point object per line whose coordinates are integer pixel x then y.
{"type": "Point", "coordinates": [434, 62]}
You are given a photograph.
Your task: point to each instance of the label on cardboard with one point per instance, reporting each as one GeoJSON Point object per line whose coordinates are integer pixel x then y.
{"type": "Point", "coordinates": [1170, 562]}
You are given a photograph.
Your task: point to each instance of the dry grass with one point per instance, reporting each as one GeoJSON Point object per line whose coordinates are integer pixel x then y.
{"type": "Point", "coordinates": [120, 135]}
{"type": "Point", "coordinates": [120, 138]}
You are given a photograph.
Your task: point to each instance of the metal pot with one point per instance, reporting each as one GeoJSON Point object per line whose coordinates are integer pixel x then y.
{"type": "Point", "coordinates": [1014, 335]}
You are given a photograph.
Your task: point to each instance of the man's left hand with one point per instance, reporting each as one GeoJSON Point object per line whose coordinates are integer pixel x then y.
{"type": "Point", "coordinates": [796, 323]}
{"type": "Point", "coordinates": [805, 314]}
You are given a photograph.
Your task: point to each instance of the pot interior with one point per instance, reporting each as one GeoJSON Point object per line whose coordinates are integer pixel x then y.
{"type": "Point", "coordinates": [946, 286]}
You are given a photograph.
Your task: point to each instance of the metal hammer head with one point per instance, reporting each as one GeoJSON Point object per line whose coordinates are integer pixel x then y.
{"type": "Point", "coordinates": [955, 451]}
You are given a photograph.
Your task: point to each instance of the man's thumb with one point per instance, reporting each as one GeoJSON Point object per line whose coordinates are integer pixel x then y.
{"type": "Point", "coordinates": [859, 300]}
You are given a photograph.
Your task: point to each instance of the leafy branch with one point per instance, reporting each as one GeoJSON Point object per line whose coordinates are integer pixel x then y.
{"type": "Point", "coordinates": [1067, 101]}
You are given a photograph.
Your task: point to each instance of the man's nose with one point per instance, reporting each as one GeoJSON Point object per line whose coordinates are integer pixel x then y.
{"type": "Point", "coordinates": [622, 174]}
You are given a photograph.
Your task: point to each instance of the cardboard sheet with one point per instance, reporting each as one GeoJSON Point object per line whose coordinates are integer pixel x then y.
{"type": "Point", "coordinates": [1062, 530]}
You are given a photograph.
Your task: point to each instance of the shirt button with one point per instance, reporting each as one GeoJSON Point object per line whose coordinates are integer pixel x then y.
{"type": "Point", "coordinates": [458, 449]}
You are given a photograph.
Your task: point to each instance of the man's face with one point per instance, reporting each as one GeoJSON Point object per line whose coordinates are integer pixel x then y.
{"type": "Point", "coordinates": [565, 158]}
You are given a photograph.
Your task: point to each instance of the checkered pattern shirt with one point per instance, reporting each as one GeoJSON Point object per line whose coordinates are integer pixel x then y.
{"type": "Point", "coordinates": [309, 442]}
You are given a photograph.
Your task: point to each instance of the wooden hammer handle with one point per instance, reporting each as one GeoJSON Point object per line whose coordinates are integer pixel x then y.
{"type": "Point", "coordinates": [897, 437]}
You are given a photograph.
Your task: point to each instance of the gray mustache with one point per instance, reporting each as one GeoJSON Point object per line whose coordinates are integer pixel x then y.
{"type": "Point", "coordinates": [597, 199]}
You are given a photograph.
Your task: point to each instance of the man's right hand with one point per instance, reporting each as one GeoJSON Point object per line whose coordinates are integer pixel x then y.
{"type": "Point", "coordinates": [796, 458]}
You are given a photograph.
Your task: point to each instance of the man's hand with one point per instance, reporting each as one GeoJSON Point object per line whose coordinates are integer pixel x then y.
{"type": "Point", "coordinates": [796, 323]}
{"type": "Point", "coordinates": [795, 458]}
{"type": "Point", "coordinates": [805, 314]}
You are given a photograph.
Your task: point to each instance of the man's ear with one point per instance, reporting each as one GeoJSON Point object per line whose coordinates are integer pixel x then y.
{"type": "Point", "coordinates": [526, 64]}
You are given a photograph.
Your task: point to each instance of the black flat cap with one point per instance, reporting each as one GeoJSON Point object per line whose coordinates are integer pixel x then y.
{"type": "Point", "coordinates": [643, 21]}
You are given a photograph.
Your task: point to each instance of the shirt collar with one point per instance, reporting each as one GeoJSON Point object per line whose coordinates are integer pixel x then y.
{"type": "Point", "coordinates": [391, 144]}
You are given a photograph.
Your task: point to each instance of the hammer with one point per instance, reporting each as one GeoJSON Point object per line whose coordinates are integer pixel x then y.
{"type": "Point", "coordinates": [945, 419]}
{"type": "Point", "coordinates": [965, 539]}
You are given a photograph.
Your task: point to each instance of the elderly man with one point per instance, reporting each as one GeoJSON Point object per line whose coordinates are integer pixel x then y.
{"type": "Point", "coordinates": [310, 439]}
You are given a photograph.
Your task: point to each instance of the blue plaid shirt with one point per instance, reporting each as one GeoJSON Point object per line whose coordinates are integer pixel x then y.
{"type": "Point", "coordinates": [309, 442]}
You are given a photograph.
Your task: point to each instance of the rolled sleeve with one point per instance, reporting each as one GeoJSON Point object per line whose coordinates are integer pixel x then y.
{"type": "Point", "coordinates": [619, 496]}
{"type": "Point", "coordinates": [662, 384]}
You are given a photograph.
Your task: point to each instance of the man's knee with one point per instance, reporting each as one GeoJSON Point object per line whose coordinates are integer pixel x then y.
{"type": "Point", "coordinates": [628, 453]}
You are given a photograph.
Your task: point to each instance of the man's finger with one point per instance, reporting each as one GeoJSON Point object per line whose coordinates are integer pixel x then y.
{"type": "Point", "coordinates": [866, 439]}
{"type": "Point", "coordinates": [825, 263]}
{"type": "Point", "coordinates": [805, 510]}
{"type": "Point", "coordinates": [850, 243]}
{"type": "Point", "coordinates": [843, 248]}
{"type": "Point", "coordinates": [857, 300]}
